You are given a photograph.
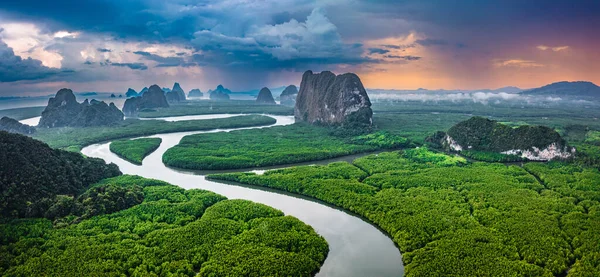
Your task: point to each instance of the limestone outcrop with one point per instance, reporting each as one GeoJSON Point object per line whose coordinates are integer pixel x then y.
{"type": "Point", "coordinates": [220, 93]}
{"type": "Point", "coordinates": [153, 98]}
{"type": "Point", "coordinates": [288, 96]}
{"type": "Point", "coordinates": [195, 93]}
{"type": "Point", "coordinates": [176, 94]}
{"type": "Point", "coordinates": [325, 98]}
{"type": "Point", "coordinates": [63, 110]}
{"type": "Point", "coordinates": [265, 97]}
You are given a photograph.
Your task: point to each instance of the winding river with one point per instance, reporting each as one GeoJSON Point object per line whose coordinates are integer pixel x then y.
{"type": "Point", "coordinates": [357, 248]}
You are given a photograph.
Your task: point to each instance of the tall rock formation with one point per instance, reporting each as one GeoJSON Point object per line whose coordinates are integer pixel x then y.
{"type": "Point", "coordinates": [64, 110]}
{"type": "Point", "coordinates": [131, 93]}
{"type": "Point", "coordinates": [176, 94]}
{"type": "Point", "coordinates": [153, 98]}
{"type": "Point", "coordinates": [265, 97]}
{"type": "Point", "coordinates": [220, 93]}
{"type": "Point", "coordinates": [144, 90]}
{"type": "Point", "coordinates": [195, 93]}
{"type": "Point", "coordinates": [325, 98]}
{"type": "Point", "coordinates": [288, 96]}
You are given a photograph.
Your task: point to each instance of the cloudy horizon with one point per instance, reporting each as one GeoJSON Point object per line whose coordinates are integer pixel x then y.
{"type": "Point", "coordinates": [109, 46]}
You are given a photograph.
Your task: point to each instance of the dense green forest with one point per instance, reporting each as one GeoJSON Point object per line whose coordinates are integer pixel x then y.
{"type": "Point", "coordinates": [493, 157]}
{"type": "Point", "coordinates": [79, 137]}
{"type": "Point", "coordinates": [135, 150]}
{"type": "Point", "coordinates": [450, 217]}
{"type": "Point", "coordinates": [271, 146]}
{"type": "Point", "coordinates": [33, 175]}
{"type": "Point", "coordinates": [162, 230]}
{"type": "Point", "coordinates": [218, 107]}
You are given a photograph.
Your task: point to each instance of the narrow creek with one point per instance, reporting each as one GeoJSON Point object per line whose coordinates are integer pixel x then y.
{"type": "Point", "coordinates": [357, 248]}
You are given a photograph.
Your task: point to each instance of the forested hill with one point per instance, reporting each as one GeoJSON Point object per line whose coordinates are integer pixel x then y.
{"type": "Point", "coordinates": [488, 135]}
{"type": "Point", "coordinates": [484, 139]}
{"type": "Point", "coordinates": [32, 175]}
{"type": "Point", "coordinates": [567, 89]}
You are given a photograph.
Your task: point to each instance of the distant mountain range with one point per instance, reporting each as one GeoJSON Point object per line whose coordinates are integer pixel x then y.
{"type": "Point", "coordinates": [580, 88]}
{"type": "Point", "coordinates": [509, 89]}
{"type": "Point", "coordinates": [560, 89]}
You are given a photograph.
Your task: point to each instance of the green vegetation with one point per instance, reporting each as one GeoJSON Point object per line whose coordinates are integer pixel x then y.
{"type": "Point", "coordinates": [172, 232]}
{"type": "Point", "coordinates": [593, 137]}
{"type": "Point", "coordinates": [135, 150]}
{"type": "Point", "coordinates": [453, 218]}
{"type": "Point", "coordinates": [33, 176]}
{"type": "Point", "coordinates": [488, 135]}
{"type": "Point", "coordinates": [80, 137]}
{"type": "Point", "coordinates": [218, 107]}
{"type": "Point", "coordinates": [271, 146]}
{"type": "Point", "coordinates": [493, 157]}
{"type": "Point", "coordinates": [416, 120]}
{"type": "Point", "coordinates": [22, 113]}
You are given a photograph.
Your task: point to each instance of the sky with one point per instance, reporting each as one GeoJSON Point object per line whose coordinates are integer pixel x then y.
{"type": "Point", "coordinates": [112, 45]}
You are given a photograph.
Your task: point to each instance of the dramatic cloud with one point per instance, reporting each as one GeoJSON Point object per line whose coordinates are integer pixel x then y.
{"type": "Point", "coordinates": [516, 63]}
{"type": "Point", "coordinates": [378, 51]}
{"type": "Point", "coordinates": [401, 47]}
{"type": "Point", "coordinates": [133, 66]}
{"type": "Point", "coordinates": [431, 42]}
{"type": "Point", "coordinates": [555, 48]}
{"type": "Point", "coordinates": [291, 44]}
{"type": "Point", "coordinates": [408, 58]}
{"type": "Point", "coordinates": [251, 44]}
{"type": "Point", "coordinates": [13, 68]}
{"type": "Point", "coordinates": [165, 61]}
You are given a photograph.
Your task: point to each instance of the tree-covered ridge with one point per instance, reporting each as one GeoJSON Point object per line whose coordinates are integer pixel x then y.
{"type": "Point", "coordinates": [483, 134]}
{"type": "Point", "coordinates": [452, 218]}
{"type": "Point", "coordinates": [32, 175]}
{"type": "Point", "coordinates": [135, 150]}
{"type": "Point", "coordinates": [173, 232]}
{"type": "Point", "coordinates": [295, 143]}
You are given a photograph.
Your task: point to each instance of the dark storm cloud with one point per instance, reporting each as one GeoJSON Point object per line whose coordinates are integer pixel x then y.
{"type": "Point", "coordinates": [132, 66]}
{"type": "Point", "coordinates": [431, 42]}
{"type": "Point", "coordinates": [378, 51]}
{"type": "Point", "coordinates": [164, 61]}
{"type": "Point", "coordinates": [291, 45]}
{"type": "Point", "coordinates": [14, 68]}
{"type": "Point", "coordinates": [407, 58]}
{"type": "Point", "coordinates": [104, 50]}
{"type": "Point", "coordinates": [485, 14]}
{"type": "Point", "coordinates": [400, 47]}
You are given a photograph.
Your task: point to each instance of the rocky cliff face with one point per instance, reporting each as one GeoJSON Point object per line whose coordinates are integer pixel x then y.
{"type": "Point", "coordinates": [13, 126]}
{"type": "Point", "coordinates": [195, 93]}
{"type": "Point", "coordinates": [265, 96]}
{"type": "Point", "coordinates": [64, 110]}
{"type": "Point", "coordinates": [288, 96]}
{"type": "Point", "coordinates": [325, 98]}
{"type": "Point", "coordinates": [220, 93]}
{"type": "Point", "coordinates": [153, 98]}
